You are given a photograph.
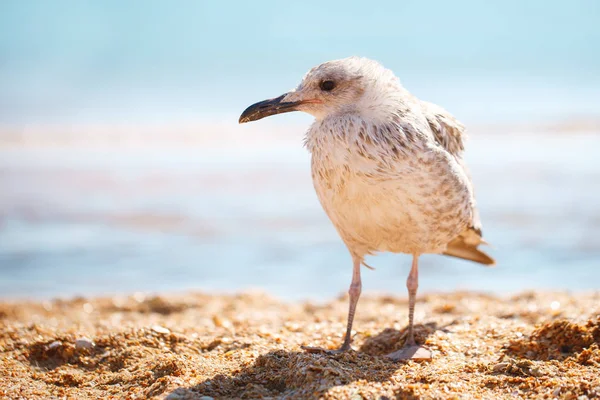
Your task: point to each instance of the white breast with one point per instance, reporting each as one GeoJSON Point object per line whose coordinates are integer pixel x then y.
{"type": "Point", "coordinates": [408, 200]}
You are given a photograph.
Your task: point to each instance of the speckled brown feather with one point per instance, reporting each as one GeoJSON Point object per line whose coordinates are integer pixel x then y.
{"type": "Point", "coordinates": [450, 134]}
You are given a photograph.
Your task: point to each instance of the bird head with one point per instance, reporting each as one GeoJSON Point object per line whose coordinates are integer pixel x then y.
{"type": "Point", "coordinates": [349, 85]}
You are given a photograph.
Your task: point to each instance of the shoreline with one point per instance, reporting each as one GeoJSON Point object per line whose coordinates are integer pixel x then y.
{"type": "Point", "coordinates": [226, 134]}
{"type": "Point", "coordinates": [186, 346]}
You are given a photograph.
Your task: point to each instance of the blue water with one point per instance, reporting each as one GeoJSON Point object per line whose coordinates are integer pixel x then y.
{"type": "Point", "coordinates": [73, 61]}
{"type": "Point", "coordinates": [92, 221]}
{"type": "Point", "coordinates": [238, 210]}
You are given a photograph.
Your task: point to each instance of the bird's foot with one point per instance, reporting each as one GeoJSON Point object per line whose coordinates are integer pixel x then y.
{"type": "Point", "coordinates": [414, 352]}
{"type": "Point", "coordinates": [320, 350]}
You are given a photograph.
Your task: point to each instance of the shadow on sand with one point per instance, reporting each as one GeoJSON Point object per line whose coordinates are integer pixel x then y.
{"type": "Point", "coordinates": [298, 374]}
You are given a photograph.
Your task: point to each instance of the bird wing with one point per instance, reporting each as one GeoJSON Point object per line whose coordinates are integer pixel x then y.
{"type": "Point", "coordinates": [449, 133]}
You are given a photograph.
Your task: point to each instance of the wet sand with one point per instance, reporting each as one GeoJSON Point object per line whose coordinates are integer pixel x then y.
{"type": "Point", "coordinates": [532, 345]}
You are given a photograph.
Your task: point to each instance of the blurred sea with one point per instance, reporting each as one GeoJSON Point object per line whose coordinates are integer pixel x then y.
{"type": "Point", "coordinates": [123, 169]}
{"type": "Point", "coordinates": [225, 218]}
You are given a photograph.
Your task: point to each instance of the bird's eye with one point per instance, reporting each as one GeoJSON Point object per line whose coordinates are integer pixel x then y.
{"type": "Point", "coordinates": [327, 86]}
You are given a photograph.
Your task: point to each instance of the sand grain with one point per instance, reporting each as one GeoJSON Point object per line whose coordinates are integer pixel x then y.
{"type": "Point", "coordinates": [248, 346]}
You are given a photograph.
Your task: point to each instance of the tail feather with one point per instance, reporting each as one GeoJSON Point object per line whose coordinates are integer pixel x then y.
{"type": "Point", "coordinates": [460, 249]}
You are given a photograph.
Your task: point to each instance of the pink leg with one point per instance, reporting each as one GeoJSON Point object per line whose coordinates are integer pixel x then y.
{"type": "Point", "coordinates": [411, 350]}
{"type": "Point", "coordinates": [412, 284]}
{"type": "Point", "coordinates": [354, 291]}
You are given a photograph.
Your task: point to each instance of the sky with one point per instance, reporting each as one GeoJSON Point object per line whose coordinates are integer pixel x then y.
{"type": "Point", "coordinates": [111, 60]}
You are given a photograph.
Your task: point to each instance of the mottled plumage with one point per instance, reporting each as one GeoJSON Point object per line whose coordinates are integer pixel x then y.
{"type": "Point", "coordinates": [387, 167]}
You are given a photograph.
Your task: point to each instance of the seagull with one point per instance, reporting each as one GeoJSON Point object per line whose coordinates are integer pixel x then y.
{"type": "Point", "coordinates": [388, 170]}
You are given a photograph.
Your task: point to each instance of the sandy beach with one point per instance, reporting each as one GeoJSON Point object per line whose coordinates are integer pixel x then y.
{"type": "Point", "coordinates": [532, 345]}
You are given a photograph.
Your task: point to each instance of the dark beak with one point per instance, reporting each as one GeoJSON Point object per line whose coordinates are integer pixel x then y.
{"type": "Point", "coordinates": [267, 108]}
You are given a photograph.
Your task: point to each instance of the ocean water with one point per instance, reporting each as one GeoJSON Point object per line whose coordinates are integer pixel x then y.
{"type": "Point", "coordinates": [101, 192]}
{"type": "Point", "coordinates": [70, 61]}
{"type": "Point", "coordinates": [225, 219]}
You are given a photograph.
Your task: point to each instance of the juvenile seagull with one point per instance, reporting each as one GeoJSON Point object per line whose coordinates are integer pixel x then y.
{"type": "Point", "coordinates": [388, 170]}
